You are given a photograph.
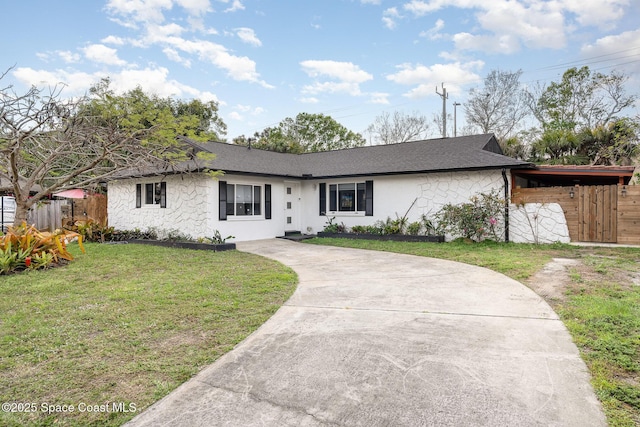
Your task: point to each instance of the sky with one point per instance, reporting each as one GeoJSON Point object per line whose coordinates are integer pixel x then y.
{"type": "Point", "coordinates": [354, 60]}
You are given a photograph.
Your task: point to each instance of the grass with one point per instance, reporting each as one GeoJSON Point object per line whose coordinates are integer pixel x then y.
{"type": "Point", "coordinates": [125, 325]}
{"type": "Point", "coordinates": [600, 307]}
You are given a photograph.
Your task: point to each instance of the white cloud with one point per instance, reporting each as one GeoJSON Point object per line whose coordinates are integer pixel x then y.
{"type": "Point", "coordinates": [235, 5]}
{"type": "Point", "coordinates": [434, 32]}
{"type": "Point", "coordinates": [156, 32]}
{"type": "Point", "coordinates": [505, 25]}
{"type": "Point", "coordinates": [68, 56]}
{"type": "Point", "coordinates": [153, 80]}
{"type": "Point", "coordinates": [379, 98]}
{"type": "Point", "coordinates": [152, 11]}
{"type": "Point", "coordinates": [345, 77]}
{"type": "Point", "coordinates": [421, 8]}
{"type": "Point", "coordinates": [43, 56]}
{"type": "Point", "coordinates": [541, 25]}
{"type": "Point", "coordinates": [345, 71]}
{"type": "Point", "coordinates": [234, 115]}
{"type": "Point", "coordinates": [389, 18]}
{"type": "Point", "coordinates": [613, 44]}
{"type": "Point", "coordinates": [195, 7]}
{"type": "Point", "coordinates": [113, 40]}
{"type": "Point", "coordinates": [248, 36]}
{"type": "Point", "coordinates": [140, 10]}
{"type": "Point", "coordinates": [76, 83]}
{"type": "Point", "coordinates": [617, 49]}
{"type": "Point", "coordinates": [598, 13]}
{"type": "Point", "coordinates": [173, 55]}
{"type": "Point", "coordinates": [102, 54]}
{"type": "Point", "coordinates": [506, 44]}
{"type": "Point", "coordinates": [240, 112]}
{"type": "Point", "coordinates": [425, 79]}
{"type": "Point", "coordinates": [370, 1]}
{"type": "Point", "coordinates": [309, 100]}
{"type": "Point", "coordinates": [238, 68]}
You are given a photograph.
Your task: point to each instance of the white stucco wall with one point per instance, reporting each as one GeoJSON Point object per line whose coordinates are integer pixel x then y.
{"type": "Point", "coordinates": [187, 205]}
{"type": "Point", "coordinates": [251, 227]}
{"type": "Point", "coordinates": [192, 207]}
{"type": "Point", "coordinates": [394, 195]}
{"type": "Point", "coordinates": [538, 223]}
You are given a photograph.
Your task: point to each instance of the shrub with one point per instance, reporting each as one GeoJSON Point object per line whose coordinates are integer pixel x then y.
{"type": "Point", "coordinates": [414, 228]}
{"type": "Point", "coordinates": [478, 219]}
{"type": "Point", "coordinates": [93, 231]}
{"type": "Point", "coordinates": [334, 228]}
{"type": "Point", "coordinates": [24, 247]}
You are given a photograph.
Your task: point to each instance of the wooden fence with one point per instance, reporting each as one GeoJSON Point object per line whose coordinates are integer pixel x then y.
{"type": "Point", "coordinates": [599, 213]}
{"type": "Point", "coordinates": [52, 214]}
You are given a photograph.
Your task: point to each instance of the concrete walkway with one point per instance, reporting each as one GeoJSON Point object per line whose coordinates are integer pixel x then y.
{"type": "Point", "coordinates": [380, 339]}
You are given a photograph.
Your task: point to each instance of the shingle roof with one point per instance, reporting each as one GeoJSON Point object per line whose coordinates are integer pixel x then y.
{"type": "Point", "coordinates": [435, 155]}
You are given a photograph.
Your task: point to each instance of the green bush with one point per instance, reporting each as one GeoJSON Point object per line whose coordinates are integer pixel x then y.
{"type": "Point", "coordinates": [477, 220]}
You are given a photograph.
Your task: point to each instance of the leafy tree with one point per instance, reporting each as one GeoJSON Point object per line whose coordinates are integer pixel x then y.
{"type": "Point", "coordinates": [500, 107]}
{"type": "Point", "coordinates": [272, 139]}
{"type": "Point", "coordinates": [306, 133]}
{"type": "Point", "coordinates": [398, 127]}
{"type": "Point", "coordinates": [581, 100]}
{"type": "Point", "coordinates": [51, 143]}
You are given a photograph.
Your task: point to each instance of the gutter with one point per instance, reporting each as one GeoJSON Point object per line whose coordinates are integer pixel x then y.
{"type": "Point", "coordinates": [506, 205]}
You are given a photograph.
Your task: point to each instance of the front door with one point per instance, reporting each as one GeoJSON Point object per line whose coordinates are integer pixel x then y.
{"type": "Point", "coordinates": [292, 206]}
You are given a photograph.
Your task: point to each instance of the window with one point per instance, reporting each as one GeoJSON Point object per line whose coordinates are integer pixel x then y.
{"type": "Point", "coordinates": [356, 197]}
{"type": "Point", "coordinates": [347, 197]}
{"type": "Point", "coordinates": [243, 200]}
{"type": "Point", "coordinates": [152, 194]}
{"type": "Point", "coordinates": [155, 194]}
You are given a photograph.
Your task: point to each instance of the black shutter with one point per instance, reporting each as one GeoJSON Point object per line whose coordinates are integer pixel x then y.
{"type": "Point", "coordinates": [222, 200]}
{"type": "Point", "coordinates": [368, 198]}
{"type": "Point", "coordinates": [323, 199]}
{"type": "Point", "coordinates": [138, 195]}
{"type": "Point", "coordinates": [267, 201]}
{"type": "Point", "coordinates": [163, 194]}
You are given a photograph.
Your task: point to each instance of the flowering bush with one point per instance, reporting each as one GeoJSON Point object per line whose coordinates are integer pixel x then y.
{"type": "Point", "coordinates": [478, 219]}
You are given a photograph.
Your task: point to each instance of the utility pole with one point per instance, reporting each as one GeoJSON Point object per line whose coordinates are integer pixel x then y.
{"type": "Point", "coordinates": [455, 122]}
{"type": "Point", "coordinates": [444, 97]}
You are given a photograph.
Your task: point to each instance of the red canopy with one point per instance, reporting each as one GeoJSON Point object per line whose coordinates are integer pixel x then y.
{"type": "Point", "coordinates": [74, 193]}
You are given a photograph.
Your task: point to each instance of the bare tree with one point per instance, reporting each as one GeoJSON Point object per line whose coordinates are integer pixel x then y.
{"type": "Point", "coordinates": [581, 100]}
{"type": "Point", "coordinates": [398, 127]}
{"type": "Point", "coordinates": [48, 144]}
{"type": "Point", "coordinates": [499, 107]}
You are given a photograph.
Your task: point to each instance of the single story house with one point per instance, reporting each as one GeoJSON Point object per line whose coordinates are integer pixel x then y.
{"type": "Point", "coordinates": [264, 194]}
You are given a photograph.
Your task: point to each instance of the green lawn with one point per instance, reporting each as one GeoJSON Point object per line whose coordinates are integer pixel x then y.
{"type": "Point", "coordinates": [600, 305]}
{"type": "Point", "coordinates": [125, 324]}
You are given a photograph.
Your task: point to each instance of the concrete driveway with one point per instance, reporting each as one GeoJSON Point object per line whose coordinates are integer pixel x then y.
{"type": "Point", "coordinates": [380, 339]}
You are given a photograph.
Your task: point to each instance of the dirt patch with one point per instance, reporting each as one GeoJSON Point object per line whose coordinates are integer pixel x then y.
{"type": "Point", "coordinates": [552, 281]}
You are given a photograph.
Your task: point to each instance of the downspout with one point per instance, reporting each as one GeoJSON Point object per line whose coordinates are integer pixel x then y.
{"type": "Point", "coordinates": [506, 205]}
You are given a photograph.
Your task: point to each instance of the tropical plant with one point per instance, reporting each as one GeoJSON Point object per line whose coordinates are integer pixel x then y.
{"type": "Point", "coordinates": [334, 228]}
{"type": "Point", "coordinates": [216, 239]}
{"type": "Point", "coordinates": [26, 247]}
{"type": "Point", "coordinates": [93, 231]}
